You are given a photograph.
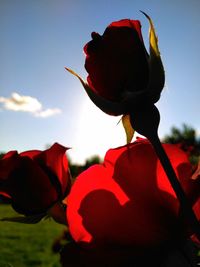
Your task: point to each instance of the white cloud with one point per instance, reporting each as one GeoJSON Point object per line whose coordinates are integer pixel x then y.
{"type": "Point", "coordinates": [48, 112]}
{"type": "Point", "coordinates": [21, 103]}
{"type": "Point", "coordinates": [29, 104]}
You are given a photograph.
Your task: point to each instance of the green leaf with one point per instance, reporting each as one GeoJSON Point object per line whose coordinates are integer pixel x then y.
{"type": "Point", "coordinates": [128, 128]}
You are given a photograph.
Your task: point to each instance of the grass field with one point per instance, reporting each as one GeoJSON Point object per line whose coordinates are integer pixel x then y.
{"type": "Point", "coordinates": [23, 245]}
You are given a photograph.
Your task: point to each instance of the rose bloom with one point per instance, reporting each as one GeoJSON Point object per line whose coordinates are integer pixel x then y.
{"type": "Point", "coordinates": [128, 200]}
{"type": "Point", "coordinates": [121, 73]}
{"type": "Point", "coordinates": [35, 180]}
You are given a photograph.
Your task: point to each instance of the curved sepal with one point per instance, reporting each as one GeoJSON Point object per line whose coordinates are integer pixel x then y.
{"type": "Point", "coordinates": [32, 219]}
{"type": "Point", "coordinates": [196, 174]}
{"type": "Point", "coordinates": [156, 69]}
{"type": "Point", "coordinates": [58, 213]}
{"type": "Point", "coordinates": [109, 107]}
{"type": "Point", "coordinates": [128, 128]}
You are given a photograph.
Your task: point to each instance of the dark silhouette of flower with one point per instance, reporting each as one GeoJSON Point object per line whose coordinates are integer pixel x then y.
{"type": "Point", "coordinates": [122, 75]}
{"type": "Point", "coordinates": [35, 180]}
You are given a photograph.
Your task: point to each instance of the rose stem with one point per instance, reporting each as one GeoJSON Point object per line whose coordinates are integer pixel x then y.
{"type": "Point", "coordinates": [146, 121]}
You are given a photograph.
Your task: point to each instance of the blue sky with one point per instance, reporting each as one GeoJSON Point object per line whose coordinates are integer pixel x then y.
{"type": "Point", "coordinates": [40, 37]}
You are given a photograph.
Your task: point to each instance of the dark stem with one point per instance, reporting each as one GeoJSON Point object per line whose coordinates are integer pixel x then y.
{"type": "Point", "coordinates": [145, 121]}
{"type": "Point", "coordinates": [185, 205]}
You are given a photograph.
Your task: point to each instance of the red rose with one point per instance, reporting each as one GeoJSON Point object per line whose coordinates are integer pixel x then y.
{"type": "Point", "coordinates": [122, 75]}
{"type": "Point", "coordinates": [117, 61]}
{"type": "Point", "coordinates": [35, 180]}
{"type": "Point", "coordinates": [128, 199]}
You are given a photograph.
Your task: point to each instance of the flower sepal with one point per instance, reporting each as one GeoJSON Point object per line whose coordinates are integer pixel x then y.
{"type": "Point", "coordinates": [107, 106]}
{"type": "Point", "coordinates": [128, 128]}
{"type": "Point", "coordinates": [156, 69]}
{"type": "Point", "coordinates": [30, 219]}
{"type": "Point", "coordinates": [58, 212]}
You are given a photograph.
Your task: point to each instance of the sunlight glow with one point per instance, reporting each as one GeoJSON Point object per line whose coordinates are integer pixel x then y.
{"type": "Point", "coordinates": [96, 133]}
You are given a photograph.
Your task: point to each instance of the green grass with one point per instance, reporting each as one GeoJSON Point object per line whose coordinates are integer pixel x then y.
{"type": "Point", "coordinates": [23, 245]}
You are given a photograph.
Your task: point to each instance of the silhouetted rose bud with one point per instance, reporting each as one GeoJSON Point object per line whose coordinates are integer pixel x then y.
{"type": "Point", "coordinates": [122, 75]}
{"type": "Point", "coordinates": [35, 180]}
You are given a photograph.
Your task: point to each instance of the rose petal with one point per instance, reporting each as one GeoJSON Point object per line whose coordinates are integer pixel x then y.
{"type": "Point", "coordinates": [118, 62]}
{"type": "Point", "coordinates": [127, 200]}
{"type": "Point", "coordinates": [55, 159]}
{"type": "Point", "coordinates": [29, 187]}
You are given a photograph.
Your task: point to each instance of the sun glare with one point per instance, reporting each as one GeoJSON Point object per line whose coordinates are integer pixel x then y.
{"type": "Point", "coordinates": [97, 132]}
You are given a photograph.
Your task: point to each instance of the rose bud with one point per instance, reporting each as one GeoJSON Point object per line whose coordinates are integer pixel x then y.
{"type": "Point", "coordinates": [122, 75]}
{"type": "Point", "coordinates": [128, 200]}
{"type": "Point", "coordinates": [35, 180]}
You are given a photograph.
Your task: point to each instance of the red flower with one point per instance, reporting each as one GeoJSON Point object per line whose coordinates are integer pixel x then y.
{"type": "Point", "coordinates": [128, 200]}
{"type": "Point", "coordinates": [117, 61]}
{"type": "Point", "coordinates": [122, 75]}
{"type": "Point", "coordinates": [35, 180]}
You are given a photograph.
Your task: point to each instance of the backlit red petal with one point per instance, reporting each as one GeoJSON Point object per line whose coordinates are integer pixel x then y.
{"type": "Point", "coordinates": [55, 159]}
